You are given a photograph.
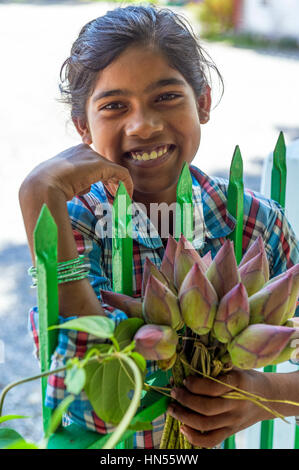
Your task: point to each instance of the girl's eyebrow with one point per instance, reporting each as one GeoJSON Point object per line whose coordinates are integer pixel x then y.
{"type": "Point", "coordinates": [153, 86]}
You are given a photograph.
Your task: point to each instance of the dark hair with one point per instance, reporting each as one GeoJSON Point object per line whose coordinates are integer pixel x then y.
{"type": "Point", "coordinates": [102, 40]}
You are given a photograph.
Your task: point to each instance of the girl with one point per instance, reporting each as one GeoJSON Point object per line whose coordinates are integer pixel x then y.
{"type": "Point", "coordinates": [137, 84]}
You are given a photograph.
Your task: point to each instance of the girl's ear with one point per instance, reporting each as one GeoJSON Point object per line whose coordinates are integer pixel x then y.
{"type": "Point", "coordinates": [83, 129]}
{"type": "Point", "coordinates": [204, 105]}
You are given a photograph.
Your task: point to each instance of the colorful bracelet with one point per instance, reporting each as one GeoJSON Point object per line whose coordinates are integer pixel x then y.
{"type": "Point", "coordinates": [67, 271]}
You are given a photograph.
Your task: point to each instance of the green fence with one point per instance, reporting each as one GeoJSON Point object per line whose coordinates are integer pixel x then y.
{"type": "Point", "coordinates": [45, 238]}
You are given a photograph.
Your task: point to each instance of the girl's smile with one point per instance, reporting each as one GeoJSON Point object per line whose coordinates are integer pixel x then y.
{"type": "Point", "coordinates": [144, 115]}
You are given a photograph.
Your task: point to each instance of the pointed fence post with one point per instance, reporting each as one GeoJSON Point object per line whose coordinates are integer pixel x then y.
{"type": "Point", "coordinates": [235, 201]}
{"type": "Point", "coordinates": [278, 191]}
{"type": "Point", "coordinates": [45, 246]}
{"type": "Point", "coordinates": [122, 243]}
{"type": "Point", "coordinates": [122, 256]}
{"type": "Point", "coordinates": [184, 223]}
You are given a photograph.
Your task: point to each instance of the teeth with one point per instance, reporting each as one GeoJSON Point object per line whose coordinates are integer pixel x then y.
{"type": "Point", "coordinates": [158, 152]}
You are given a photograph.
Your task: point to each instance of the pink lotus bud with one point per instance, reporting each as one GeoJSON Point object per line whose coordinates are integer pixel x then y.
{"type": "Point", "coordinates": [198, 301]}
{"type": "Point", "coordinates": [207, 259]}
{"type": "Point", "coordinates": [292, 304]}
{"type": "Point", "coordinates": [291, 351]}
{"type": "Point", "coordinates": [269, 305]}
{"type": "Point", "coordinates": [167, 266]}
{"type": "Point", "coordinates": [160, 305]}
{"type": "Point", "coordinates": [166, 364]}
{"type": "Point", "coordinates": [232, 315]}
{"type": "Point", "coordinates": [259, 345]}
{"type": "Point", "coordinates": [185, 257]}
{"type": "Point", "coordinates": [156, 342]}
{"type": "Point", "coordinates": [256, 248]}
{"type": "Point", "coordinates": [151, 268]}
{"type": "Point", "coordinates": [223, 272]}
{"type": "Point", "coordinates": [255, 273]}
{"type": "Point", "coordinates": [132, 307]}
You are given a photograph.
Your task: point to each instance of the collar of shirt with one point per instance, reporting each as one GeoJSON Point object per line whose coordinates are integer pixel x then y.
{"type": "Point", "coordinates": [211, 218]}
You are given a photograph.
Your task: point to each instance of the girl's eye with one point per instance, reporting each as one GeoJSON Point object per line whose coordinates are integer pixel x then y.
{"type": "Point", "coordinates": [112, 106]}
{"type": "Point", "coordinates": [168, 97]}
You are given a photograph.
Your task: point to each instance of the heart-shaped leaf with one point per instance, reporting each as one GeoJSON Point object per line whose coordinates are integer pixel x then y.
{"type": "Point", "coordinates": [125, 331]}
{"type": "Point", "coordinates": [75, 379]}
{"type": "Point", "coordinates": [99, 326]}
{"type": "Point", "coordinates": [139, 359]}
{"type": "Point", "coordinates": [8, 437]}
{"type": "Point", "coordinates": [110, 384]}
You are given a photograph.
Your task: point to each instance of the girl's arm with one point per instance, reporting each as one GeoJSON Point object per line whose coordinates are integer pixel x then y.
{"type": "Point", "coordinates": [54, 182]}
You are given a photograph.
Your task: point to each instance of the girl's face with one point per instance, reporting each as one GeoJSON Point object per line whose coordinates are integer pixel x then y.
{"type": "Point", "coordinates": [144, 116]}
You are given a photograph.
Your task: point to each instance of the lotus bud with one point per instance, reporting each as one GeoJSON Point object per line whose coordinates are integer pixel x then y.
{"type": "Point", "coordinates": [255, 273]}
{"type": "Point", "coordinates": [160, 305]}
{"type": "Point", "coordinates": [259, 345]}
{"type": "Point", "coordinates": [232, 315]}
{"type": "Point", "coordinates": [185, 257]}
{"type": "Point", "coordinates": [156, 342]}
{"type": "Point", "coordinates": [132, 307]}
{"type": "Point", "coordinates": [198, 301]}
{"type": "Point", "coordinates": [291, 351]}
{"type": "Point", "coordinates": [223, 272]}
{"type": "Point", "coordinates": [254, 249]}
{"type": "Point", "coordinates": [293, 298]}
{"type": "Point", "coordinates": [167, 266]}
{"type": "Point", "coordinates": [166, 364]}
{"type": "Point", "coordinates": [151, 268]}
{"type": "Point", "coordinates": [294, 271]}
{"type": "Point", "coordinates": [207, 259]}
{"type": "Point", "coordinates": [270, 304]}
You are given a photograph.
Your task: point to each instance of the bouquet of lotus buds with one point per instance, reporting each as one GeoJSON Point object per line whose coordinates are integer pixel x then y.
{"type": "Point", "coordinates": [205, 315]}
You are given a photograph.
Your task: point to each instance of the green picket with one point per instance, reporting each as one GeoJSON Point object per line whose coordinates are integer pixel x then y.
{"type": "Point", "coordinates": [184, 204]}
{"type": "Point", "coordinates": [122, 242]}
{"type": "Point", "coordinates": [45, 246]}
{"type": "Point", "coordinates": [235, 201]}
{"type": "Point", "coordinates": [235, 206]}
{"type": "Point", "coordinates": [278, 190]}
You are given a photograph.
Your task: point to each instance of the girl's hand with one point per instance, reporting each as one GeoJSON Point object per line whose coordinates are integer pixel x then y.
{"type": "Point", "coordinates": [207, 418]}
{"type": "Point", "coordinates": [74, 170]}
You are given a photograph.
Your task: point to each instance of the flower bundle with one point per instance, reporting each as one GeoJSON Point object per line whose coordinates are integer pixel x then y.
{"type": "Point", "coordinates": [207, 315]}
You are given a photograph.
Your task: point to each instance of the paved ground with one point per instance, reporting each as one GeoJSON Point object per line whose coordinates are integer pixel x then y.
{"type": "Point", "coordinates": [261, 97]}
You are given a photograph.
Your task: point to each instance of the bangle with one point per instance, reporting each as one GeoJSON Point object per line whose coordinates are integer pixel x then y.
{"type": "Point", "coordinates": [67, 271]}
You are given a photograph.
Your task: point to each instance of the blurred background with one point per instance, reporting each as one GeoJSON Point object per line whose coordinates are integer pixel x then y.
{"type": "Point", "coordinates": [255, 45]}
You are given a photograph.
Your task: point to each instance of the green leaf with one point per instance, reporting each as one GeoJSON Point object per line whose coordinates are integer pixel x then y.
{"type": "Point", "coordinates": [139, 359]}
{"type": "Point", "coordinates": [75, 379]}
{"type": "Point", "coordinates": [8, 437]}
{"type": "Point", "coordinates": [9, 417]}
{"type": "Point", "coordinates": [90, 369]}
{"type": "Point", "coordinates": [57, 415]}
{"type": "Point", "coordinates": [22, 444]}
{"type": "Point", "coordinates": [141, 426]}
{"type": "Point", "coordinates": [99, 326]}
{"type": "Point", "coordinates": [126, 330]}
{"type": "Point", "coordinates": [108, 390]}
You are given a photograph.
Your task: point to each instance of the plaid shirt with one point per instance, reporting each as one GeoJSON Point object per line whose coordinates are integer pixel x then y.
{"type": "Point", "coordinates": [213, 223]}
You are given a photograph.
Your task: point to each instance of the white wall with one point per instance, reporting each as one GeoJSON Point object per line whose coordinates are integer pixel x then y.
{"type": "Point", "coordinates": [274, 18]}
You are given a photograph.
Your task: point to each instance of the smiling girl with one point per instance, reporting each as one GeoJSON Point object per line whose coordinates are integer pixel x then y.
{"type": "Point", "coordinates": [136, 81]}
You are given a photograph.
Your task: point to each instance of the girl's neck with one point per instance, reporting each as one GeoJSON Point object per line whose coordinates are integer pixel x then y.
{"type": "Point", "coordinates": [167, 196]}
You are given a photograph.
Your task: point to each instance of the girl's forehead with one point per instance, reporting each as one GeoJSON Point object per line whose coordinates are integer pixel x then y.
{"type": "Point", "coordinates": [137, 68]}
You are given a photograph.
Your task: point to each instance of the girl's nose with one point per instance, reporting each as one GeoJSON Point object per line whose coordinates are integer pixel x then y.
{"type": "Point", "coordinates": [144, 124]}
